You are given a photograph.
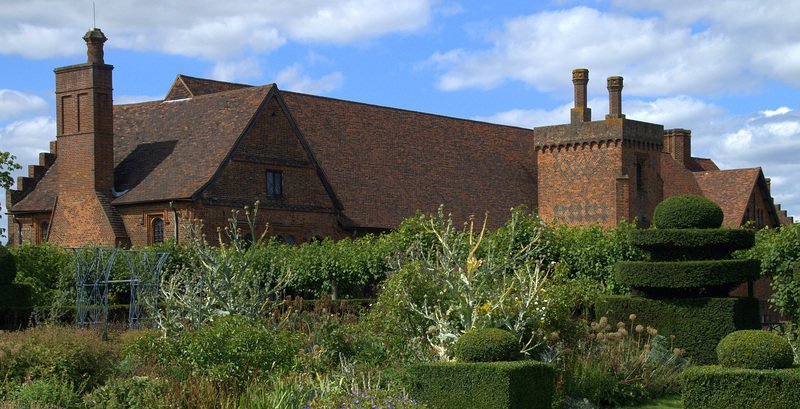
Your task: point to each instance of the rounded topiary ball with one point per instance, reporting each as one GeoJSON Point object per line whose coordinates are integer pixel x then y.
{"type": "Point", "coordinates": [688, 212]}
{"type": "Point", "coordinates": [487, 345]}
{"type": "Point", "coordinates": [8, 266]}
{"type": "Point", "coordinates": [754, 349]}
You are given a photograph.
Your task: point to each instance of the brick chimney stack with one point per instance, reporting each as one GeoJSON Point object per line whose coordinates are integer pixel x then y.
{"type": "Point", "coordinates": [85, 158]}
{"type": "Point", "coordinates": [678, 142]}
{"type": "Point", "coordinates": [580, 77]}
{"type": "Point", "coordinates": [614, 98]}
{"type": "Point", "coordinates": [84, 108]}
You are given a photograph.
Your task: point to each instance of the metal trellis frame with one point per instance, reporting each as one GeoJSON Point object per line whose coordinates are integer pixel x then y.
{"type": "Point", "coordinates": [92, 269]}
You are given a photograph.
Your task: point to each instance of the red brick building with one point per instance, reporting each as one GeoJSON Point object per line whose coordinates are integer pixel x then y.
{"type": "Point", "coordinates": [135, 174]}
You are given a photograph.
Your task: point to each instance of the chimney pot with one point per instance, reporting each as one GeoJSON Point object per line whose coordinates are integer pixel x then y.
{"type": "Point", "coordinates": [94, 42]}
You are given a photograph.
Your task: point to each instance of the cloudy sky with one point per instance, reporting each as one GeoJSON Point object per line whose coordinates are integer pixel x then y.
{"type": "Point", "coordinates": [729, 70]}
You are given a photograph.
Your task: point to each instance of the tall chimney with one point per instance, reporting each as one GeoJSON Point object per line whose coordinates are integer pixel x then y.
{"type": "Point", "coordinates": [580, 77]}
{"type": "Point", "coordinates": [678, 142]}
{"type": "Point", "coordinates": [614, 98]}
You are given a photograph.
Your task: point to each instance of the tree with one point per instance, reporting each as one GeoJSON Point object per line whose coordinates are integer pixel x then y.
{"type": "Point", "coordinates": [7, 165]}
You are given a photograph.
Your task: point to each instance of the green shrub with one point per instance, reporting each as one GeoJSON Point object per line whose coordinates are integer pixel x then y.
{"type": "Point", "coordinates": [715, 387]}
{"type": "Point", "coordinates": [778, 249]}
{"type": "Point", "coordinates": [487, 345]}
{"type": "Point", "coordinates": [14, 296]}
{"type": "Point", "coordinates": [687, 212]}
{"type": "Point", "coordinates": [75, 355]}
{"type": "Point", "coordinates": [698, 324]}
{"type": "Point", "coordinates": [231, 350]}
{"type": "Point", "coordinates": [692, 244]}
{"type": "Point", "coordinates": [50, 392]}
{"type": "Point", "coordinates": [136, 392]}
{"type": "Point", "coordinates": [590, 252]}
{"type": "Point", "coordinates": [483, 385]}
{"type": "Point", "coordinates": [47, 269]}
{"type": "Point", "coordinates": [755, 349]}
{"type": "Point", "coordinates": [682, 279]}
{"type": "Point", "coordinates": [8, 266]}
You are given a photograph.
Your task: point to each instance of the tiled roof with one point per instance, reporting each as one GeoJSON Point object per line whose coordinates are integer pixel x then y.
{"type": "Point", "coordinates": [677, 179]}
{"type": "Point", "coordinates": [731, 189]}
{"type": "Point", "coordinates": [166, 150]}
{"type": "Point", "coordinates": [188, 87]}
{"type": "Point", "coordinates": [384, 164]}
{"type": "Point", "coordinates": [155, 142]}
{"type": "Point", "coordinates": [701, 164]}
{"type": "Point", "coordinates": [41, 199]}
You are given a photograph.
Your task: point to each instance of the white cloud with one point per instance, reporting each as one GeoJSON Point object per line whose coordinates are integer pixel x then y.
{"type": "Point", "coordinates": [707, 54]}
{"type": "Point", "coordinates": [233, 71]}
{"type": "Point", "coordinates": [210, 29]}
{"type": "Point", "coordinates": [771, 140]}
{"type": "Point", "coordinates": [15, 103]}
{"type": "Point", "coordinates": [26, 138]}
{"type": "Point", "coordinates": [529, 118]}
{"type": "Point", "coordinates": [291, 78]}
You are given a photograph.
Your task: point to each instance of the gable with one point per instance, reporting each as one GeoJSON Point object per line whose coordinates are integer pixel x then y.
{"type": "Point", "coordinates": [172, 149]}
{"type": "Point", "coordinates": [271, 145]}
{"type": "Point", "coordinates": [189, 87]}
{"type": "Point", "coordinates": [730, 189]}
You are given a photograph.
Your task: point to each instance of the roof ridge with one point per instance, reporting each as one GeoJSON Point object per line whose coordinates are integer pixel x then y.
{"type": "Point", "coordinates": [402, 110]}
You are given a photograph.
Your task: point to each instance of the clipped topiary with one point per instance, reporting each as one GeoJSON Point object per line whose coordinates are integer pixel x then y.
{"type": "Point", "coordinates": [754, 349]}
{"type": "Point", "coordinates": [8, 266]}
{"type": "Point", "coordinates": [487, 345]}
{"type": "Point", "coordinates": [687, 212]}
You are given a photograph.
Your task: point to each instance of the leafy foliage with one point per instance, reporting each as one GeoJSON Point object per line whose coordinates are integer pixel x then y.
{"type": "Point", "coordinates": [778, 249]}
{"type": "Point", "coordinates": [471, 279]}
{"type": "Point", "coordinates": [7, 165]}
{"type": "Point", "coordinates": [225, 282]}
{"type": "Point", "coordinates": [590, 252]}
{"type": "Point", "coordinates": [8, 266]}
{"type": "Point", "coordinates": [47, 269]}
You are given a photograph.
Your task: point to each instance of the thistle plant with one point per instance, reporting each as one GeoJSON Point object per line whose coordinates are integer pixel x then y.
{"type": "Point", "coordinates": [225, 281]}
{"type": "Point", "coordinates": [476, 279]}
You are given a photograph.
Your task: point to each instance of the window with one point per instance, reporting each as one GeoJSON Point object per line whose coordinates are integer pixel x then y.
{"type": "Point", "coordinates": [158, 230]}
{"type": "Point", "coordinates": [639, 177]}
{"type": "Point", "coordinates": [44, 227]}
{"type": "Point", "coordinates": [274, 184]}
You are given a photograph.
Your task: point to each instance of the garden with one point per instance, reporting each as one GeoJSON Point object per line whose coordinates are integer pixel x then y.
{"type": "Point", "coordinates": [369, 322]}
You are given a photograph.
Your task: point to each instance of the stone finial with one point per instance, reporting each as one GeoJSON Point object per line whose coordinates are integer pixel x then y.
{"type": "Point", "coordinates": [614, 98]}
{"type": "Point", "coordinates": [94, 42]}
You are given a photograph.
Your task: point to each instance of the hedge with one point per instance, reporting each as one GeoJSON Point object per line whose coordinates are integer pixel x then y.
{"type": "Point", "coordinates": [697, 323]}
{"type": "Point", "coordinates": [483, 385]}
{"type": "Point", "coordinates": [687, 212]}
{"type": "Point", "coordinates": [692, 244]}
{"type": "Point", "coordinates": [686, 274]}
{"type": "Point", "coordinates": [715, 387]}
{"type": "Point", "coordinates": [15, 296]}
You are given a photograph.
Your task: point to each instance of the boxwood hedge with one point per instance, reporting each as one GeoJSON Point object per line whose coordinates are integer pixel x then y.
{"type": "Point", "coordinates": [483, 385]}
{"type": "Point", "coordinates": [755, 349]}
{"type": "Point", "coordinates": [687, 212]}
{"type": "Point", "coordinates": [692, 244]}
{"type": "Point", "coordinates": [697, 323]}
{"type": "Point", "coordinates": [715, 387]}
{"type": "Point", "coordinates": [659, 278]}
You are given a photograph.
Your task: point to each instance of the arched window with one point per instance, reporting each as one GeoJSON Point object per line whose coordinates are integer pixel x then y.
{"type": "Point", "coordinates": [44, 227]}
{"type": "Point", "coordinates": [158, 230]}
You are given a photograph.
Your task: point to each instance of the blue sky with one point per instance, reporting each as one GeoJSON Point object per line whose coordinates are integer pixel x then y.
{"type": "Point", "coordinates": [729, 70]}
